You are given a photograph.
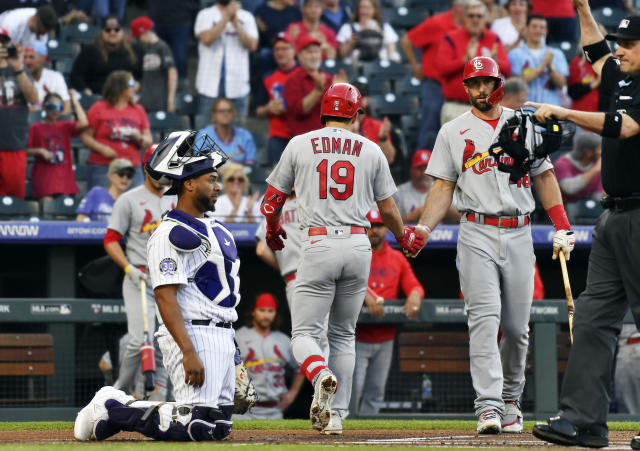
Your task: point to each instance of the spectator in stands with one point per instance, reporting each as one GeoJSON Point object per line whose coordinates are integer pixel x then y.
{"type": "Point", "coordinates": [159, 74]}
{"type": "Point", "coordinates": [427, 37]}
{"type": "Point", "coordinates": [172, 21]}
{"type": "Point", "coordinates": [305, 86]}
{"type": "Point", "coordinates": [271, 96]}
{"type": "Point", "coordinates": [367, 37]}
{"type": "Point", "coordinates": [544, 68]}
{"type": "Point", "coordinates": [118, 128]}
{"type": "Point", "coordinates": [17, 90]}
{"type": "Point", "coordinates": [334, 14]}
{"type": "Point", "coordinates": [27, 25]}
{"type": "Point", "coordinates": [103, 8]}
{"type": "Point", "coordinates": [45, 80]}
{"type": "Point", "coordinates": [411, 194]}
{"type": "Point", "coordinates": [226, 34]}
{"type": "Point", "coordinates": [97, 205]}
{"type": "Point", "coordinates": [390, 272]}
{"type": "Point", "coordinates": [310, 25]}
{"type": "Point", "coordinates": [377, 131]}
{"type": "Point", "coordinates": [561, 19]}
{"type": "Point", "coordinates": [516, 92]}
{"type": "Point", "coordinates": [458, 47]}
{"type": "Point", "coordinates": [273, 17]}
{"type": "Point", "coordinates": [111, 51]}
{"type": "Point", "coordinates": [583, 85]}
{"type": "Point", "coordinates": [50, 143]}
{"type": "Point", "coordinates": [237, 142]}
{"type": "Point", "coordinates": [235, 205]}
{"type": "Point", "coordinates": [578, 172]}
{"type": "Point", "coordinates": [494, 11]}
{"type": "Point", "coordinates": [510, 29]}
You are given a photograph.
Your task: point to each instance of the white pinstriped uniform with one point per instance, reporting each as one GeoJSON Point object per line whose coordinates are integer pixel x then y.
{"type": "Point", "coordinates": [210, 295]}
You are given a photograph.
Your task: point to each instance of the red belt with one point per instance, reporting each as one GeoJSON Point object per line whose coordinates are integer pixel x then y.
{"type": "Point", "coordinates": [313, 231]}
{"type": "Point", "coordinates": [267, 404]}
{"type": "Point", "coordinates": [289, 277]}
{"type": "Point", "coordinates": [498, 222]}
{"type": "Point", "coordinates": [632, 341]}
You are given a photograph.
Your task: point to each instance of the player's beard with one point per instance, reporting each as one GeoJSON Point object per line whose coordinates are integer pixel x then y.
{"type": "Point", "coordinates": [485, 106]}
{"type": "Point", "coordinates": [204, 202]}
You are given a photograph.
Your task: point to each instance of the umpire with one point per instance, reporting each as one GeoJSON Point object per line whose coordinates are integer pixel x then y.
{"type": "Point", "coordinates": [613, 279]}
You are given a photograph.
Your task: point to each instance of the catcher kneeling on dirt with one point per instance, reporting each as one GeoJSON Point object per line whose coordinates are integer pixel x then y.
{"type": "Point", "coordinates": [197, 308]}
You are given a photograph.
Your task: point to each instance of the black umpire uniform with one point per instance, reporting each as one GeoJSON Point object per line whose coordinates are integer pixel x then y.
{"type": "Point", "coordinates": [613, 278]}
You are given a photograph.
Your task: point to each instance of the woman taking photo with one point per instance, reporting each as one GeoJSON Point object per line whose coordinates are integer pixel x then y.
{"type": "Point", "coordinates": [118, 128]}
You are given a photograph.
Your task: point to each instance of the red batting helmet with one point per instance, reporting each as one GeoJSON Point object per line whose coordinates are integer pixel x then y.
{"type": "Point", "coordinates": [341, 100]}
{"type": "Point", "coordinates": [483, 66]}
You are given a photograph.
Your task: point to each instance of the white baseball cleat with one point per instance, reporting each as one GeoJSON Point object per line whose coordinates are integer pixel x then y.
{"type": "Point", "coordinates": [512, 419]}
{"type": "Point", "coordinates": [489, 422]}
{"type": "Point", "coordinates": [323, 392]}
{"type": "Point", "coordinates": [92, 413]}
{"type": "Point", "coordinates": [334, 427]}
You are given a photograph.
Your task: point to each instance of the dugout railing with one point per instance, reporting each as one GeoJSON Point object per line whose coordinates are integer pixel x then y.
{"type": "Point", "coordinates": [75, 323]}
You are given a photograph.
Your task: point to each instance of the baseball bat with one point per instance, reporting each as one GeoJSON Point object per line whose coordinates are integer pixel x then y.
{"type": "Point", "coordinates": [147, 351]}
{"type": "Point", "coordinates": [379, 299]}
{"type": "Point", "coordinates": [567, 292]}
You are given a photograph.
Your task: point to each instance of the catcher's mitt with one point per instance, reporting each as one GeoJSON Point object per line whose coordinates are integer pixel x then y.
{"type": "Point", "coordinates": [245, 396]}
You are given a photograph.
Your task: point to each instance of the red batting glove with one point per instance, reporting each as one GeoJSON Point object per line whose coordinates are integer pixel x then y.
{"type": "Point", "coordinates": [411, 241]}
{"type": "Point", "coordinates": [274, 232]}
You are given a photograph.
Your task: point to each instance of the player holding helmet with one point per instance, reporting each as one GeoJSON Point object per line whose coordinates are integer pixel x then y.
{"type": "Point", "coordinates": [193, 263]}
{"type": "Point", "coordinates": [337, 176]}
{"type": "Point", "coordinates": [495, 256]}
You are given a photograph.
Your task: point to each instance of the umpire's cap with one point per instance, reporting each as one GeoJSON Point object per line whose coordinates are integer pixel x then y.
{"type": "Point", "coordinates": [628, 29]}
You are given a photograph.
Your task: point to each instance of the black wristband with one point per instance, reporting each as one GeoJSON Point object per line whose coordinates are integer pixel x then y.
{"type": "Point", "coordinates": [593, 52]}
{"type": "Point", "coordinates": [612, 125]}
{"type": "Point", "coordinates": [18, 72]}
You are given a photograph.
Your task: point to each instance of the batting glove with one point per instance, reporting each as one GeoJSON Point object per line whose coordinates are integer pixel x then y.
{"type": "Point", "coordinates": [135, 274]}
{"type": "Point", "coordinates": [563, 240]}
{"type": "Point", "coordinates": [411, 241]}
{"type": "Point", "coordinates": [274, 234]}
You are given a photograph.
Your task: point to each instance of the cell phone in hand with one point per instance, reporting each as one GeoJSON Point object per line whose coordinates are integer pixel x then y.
{"type": "Point", "coordinates": [12, 51]}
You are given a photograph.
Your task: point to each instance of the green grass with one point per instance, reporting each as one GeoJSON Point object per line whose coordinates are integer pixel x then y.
{"type": "Point", "coordinates": [304, 425]}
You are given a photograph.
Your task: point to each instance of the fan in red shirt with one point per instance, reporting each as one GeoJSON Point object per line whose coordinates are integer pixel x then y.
{"type": "Point", "coordinates": [458, 47]}
{"type": "Point", "coordinates": [583, 85]}
{"type": "Point", "coordinates": [390, 271]}
{"type": "Point", "coordinates": [427, 36]}
{"type": "Point", "coordinates": [310, 25]}
{"type": "Point", "coordinates": [50, 142]}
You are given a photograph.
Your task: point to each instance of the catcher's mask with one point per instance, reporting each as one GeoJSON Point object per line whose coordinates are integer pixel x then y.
{"type": "Point", "coordinates": [548, 137]}
{"type": "Point", "coordinates": [184, 155]}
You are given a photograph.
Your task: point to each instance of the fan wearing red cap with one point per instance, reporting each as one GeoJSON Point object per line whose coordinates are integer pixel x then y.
{"type": "Point", "coordinates": [136, 214]}
{"type": "Point", "coordinates": [390, 275]}
{"type": "Point", "coordinates": [159, 73]}
{"type": "Point", "coordinates": [337, 176]}
{"type": "Point", "coordinates": [267, 356]}
{"type": "Point", "coordinates": [495, 250]}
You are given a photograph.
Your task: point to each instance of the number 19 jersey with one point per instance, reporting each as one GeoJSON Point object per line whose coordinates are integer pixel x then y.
{"type": "Point", "coordinates": [337, 174]}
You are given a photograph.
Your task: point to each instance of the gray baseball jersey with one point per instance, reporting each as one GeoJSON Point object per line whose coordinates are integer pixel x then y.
{"type": "Point", "coordinates": [458, 156]}
{"type": "Point", "coordinates": [266, 359]}
{"type": "Point", "coordinates": [329, 165]}
{"type": "Point", "coordinates": [288, 257]}
{"type": "Point", "coordinates": [136, 214]}
{"type": "Point", "coordinates": [408, 199]}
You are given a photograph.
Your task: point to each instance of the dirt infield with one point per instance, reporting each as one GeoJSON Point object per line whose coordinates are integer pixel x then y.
{"type": "Point", "coordinates": [430, 438]}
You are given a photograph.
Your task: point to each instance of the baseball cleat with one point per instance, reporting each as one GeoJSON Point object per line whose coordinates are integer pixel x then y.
{"type": "Point", "coordinates": [489, 422]}
{"type": "Point", "coordinates": [334, 427]}
{"type": "Point", "coordinates": [512, 418]}
{"type": "Point", "coordinates": [94, 413]}
{"type": "Point", "coordinates": [323, 391]}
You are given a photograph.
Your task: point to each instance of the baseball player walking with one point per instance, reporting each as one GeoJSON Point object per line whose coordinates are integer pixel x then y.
{"type": "Point", "coordinates": [337, 176]}
{"type": "Point", "coordinates": [267, 354]}
{"type": "Point", "coordinates": [193, 263]}
{"type": "Point", "coordinates": [136, 214]}
{"type": "Point", "coordinates": [495, 256]}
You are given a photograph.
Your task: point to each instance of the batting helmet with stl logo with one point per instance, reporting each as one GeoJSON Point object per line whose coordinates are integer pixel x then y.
{"type": "Point", "coordinates": [340, 100]}
{"type": "Point", "coordinates": [483, 66]}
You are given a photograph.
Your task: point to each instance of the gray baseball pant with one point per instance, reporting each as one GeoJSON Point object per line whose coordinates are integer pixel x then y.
{"type": "Point", "coordinates": [373, 361]}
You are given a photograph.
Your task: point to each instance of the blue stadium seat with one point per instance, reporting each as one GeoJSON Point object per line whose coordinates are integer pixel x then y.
{"type": "Point", "coordinates": [62, 207]}
{"type": "Point", "coordinates": [609, 17]}
{"type": "Point", "coordinates": [162, 123]}
{"type": "Point", "coordinates": [81, 33]}
{"type": "Point", "coordinates": [384, 70]}
{"type": "Point", "coordinates": [14, 208]}
{"type": "Point", "coordinates": [375, 86]}
{"type": "Point", "coordinates": [393, 105]}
